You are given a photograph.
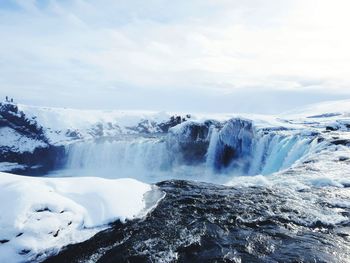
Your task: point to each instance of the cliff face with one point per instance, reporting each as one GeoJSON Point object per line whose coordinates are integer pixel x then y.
{"type": "Point", "coordinates": [24, 147]}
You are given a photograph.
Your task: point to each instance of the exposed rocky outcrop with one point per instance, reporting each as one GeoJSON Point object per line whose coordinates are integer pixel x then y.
{"type": "Point", "coordinates": [23, 142]}
{"type": "Point", "coordinates": [190, 141]}
{"type": "Point", "coordinates": [15, 119]}
{"type": "Point", "coordinates": [174, 120]}
{"type": "Point", "coordinates": [149, 126]}
{"type": "Point", "coordinates": [234, 144]}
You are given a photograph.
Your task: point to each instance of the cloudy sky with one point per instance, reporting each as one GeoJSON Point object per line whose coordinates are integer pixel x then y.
{"type": "Point", "coordinates": [261, 56]}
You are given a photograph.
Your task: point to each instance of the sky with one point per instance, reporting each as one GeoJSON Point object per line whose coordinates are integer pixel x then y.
{"type": "Point", "coordinates": [257, 56]}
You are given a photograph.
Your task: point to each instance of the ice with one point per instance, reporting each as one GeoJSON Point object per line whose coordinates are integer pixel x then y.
{"type": "Point", "coordinates": [40, 215]}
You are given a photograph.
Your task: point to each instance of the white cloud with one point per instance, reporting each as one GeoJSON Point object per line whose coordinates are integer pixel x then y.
{"type": "Point", "coordinates": [92, 49]}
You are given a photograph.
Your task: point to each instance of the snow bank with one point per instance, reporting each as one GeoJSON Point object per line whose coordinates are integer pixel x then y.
{"type": "Point", "coordinates": [40, 215]}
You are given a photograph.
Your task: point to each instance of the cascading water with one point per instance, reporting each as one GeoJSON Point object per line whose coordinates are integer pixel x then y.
{"type": "Point", "coordinates": [128, 157]}
{"type": "Point", "coordinates": [191, 151]}
{"type": "Point", "coordinates": [273, 152]}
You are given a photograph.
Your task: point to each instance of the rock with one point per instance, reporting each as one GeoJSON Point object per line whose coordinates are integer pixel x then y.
{"type": "Point", "coordinates": [190, 142]}
{"type": "Point", "coordinates": [38, 155]}
{"type": "Point", "coordinates": [174, 120]}
{"type": "Point", "coordinates": [344, 142]}
{"type": "Point", "coordinates": [331, 128]}
{"type": "Point", "coordinates": [234, 145]}
{"type": "Point", "coordinates": [11, 117]}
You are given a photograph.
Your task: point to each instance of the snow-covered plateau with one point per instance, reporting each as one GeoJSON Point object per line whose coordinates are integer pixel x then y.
{"type": "Point", "coordinates": [272, 182]}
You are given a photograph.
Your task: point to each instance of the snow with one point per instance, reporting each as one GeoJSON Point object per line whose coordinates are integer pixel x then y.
{"type": "Point", "coordinates": [40, 215]}
{"type": "Point", "coordinates": [63, 125]}
{"type": "Point", "coordinates": [7, 166]}
{"type": "Point", "coordinates": [328, 109]}
{"type": "Point", "coordinates": [58, 121]}
{"type": "Point", "coordinates": [17, 142]}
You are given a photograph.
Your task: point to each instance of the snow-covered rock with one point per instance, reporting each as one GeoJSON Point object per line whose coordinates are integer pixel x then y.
{"type": "Point", "coordinates": [188, 142]}
{"type": "Point", "coordinates": [15, 141]}
{"type": "Point", "coordinates": [23, 142]}
{"type": "Point", "coordinates": [63, 125]}
{"type": "Point", "coordinates": [41, 215]}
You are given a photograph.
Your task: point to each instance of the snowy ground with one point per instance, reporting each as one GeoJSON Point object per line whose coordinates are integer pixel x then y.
{"type": "Point", "coordinates": [40, 215]}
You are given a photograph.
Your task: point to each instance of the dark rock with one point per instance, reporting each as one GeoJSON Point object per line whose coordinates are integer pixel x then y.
{"type": "Point", "coordinates": [174, 120]}
{"type": "Point", "coordinates": [11, 117]}
{"type": "Point", "coordinates": [40, 161]}
{"type": "Point", "coordinates": [331, 128]}
{"type": "Point", "coordinates": [74, 134]}
{"type": "Point", "coordinates": [190, 143]}
{"type": "Point", "coordinates": [326, 115]}
{"type": "Point", "coordinates": [233, 148]}
{"type": "Point", "coordinates": [320, 139]}
{"type": "Point", "coordinates": [344, 142]}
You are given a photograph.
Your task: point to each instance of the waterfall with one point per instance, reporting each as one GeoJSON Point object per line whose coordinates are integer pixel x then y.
{"type": "Point", "coordinates": [273, 152]}
{"type": "Point", "coordinates": [212, 148]}
{"type": "Point", "coordinates": [235, 148]}
{"type": "Point", "coordinates": [122, 157]}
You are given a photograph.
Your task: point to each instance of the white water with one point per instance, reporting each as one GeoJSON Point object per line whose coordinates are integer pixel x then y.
{"type": "Point", "coordinates": [152, 160]}
{"type": "Point", "coordinates": [275, 152]}
{"type": "Point", "coordinates": [139, 154]}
